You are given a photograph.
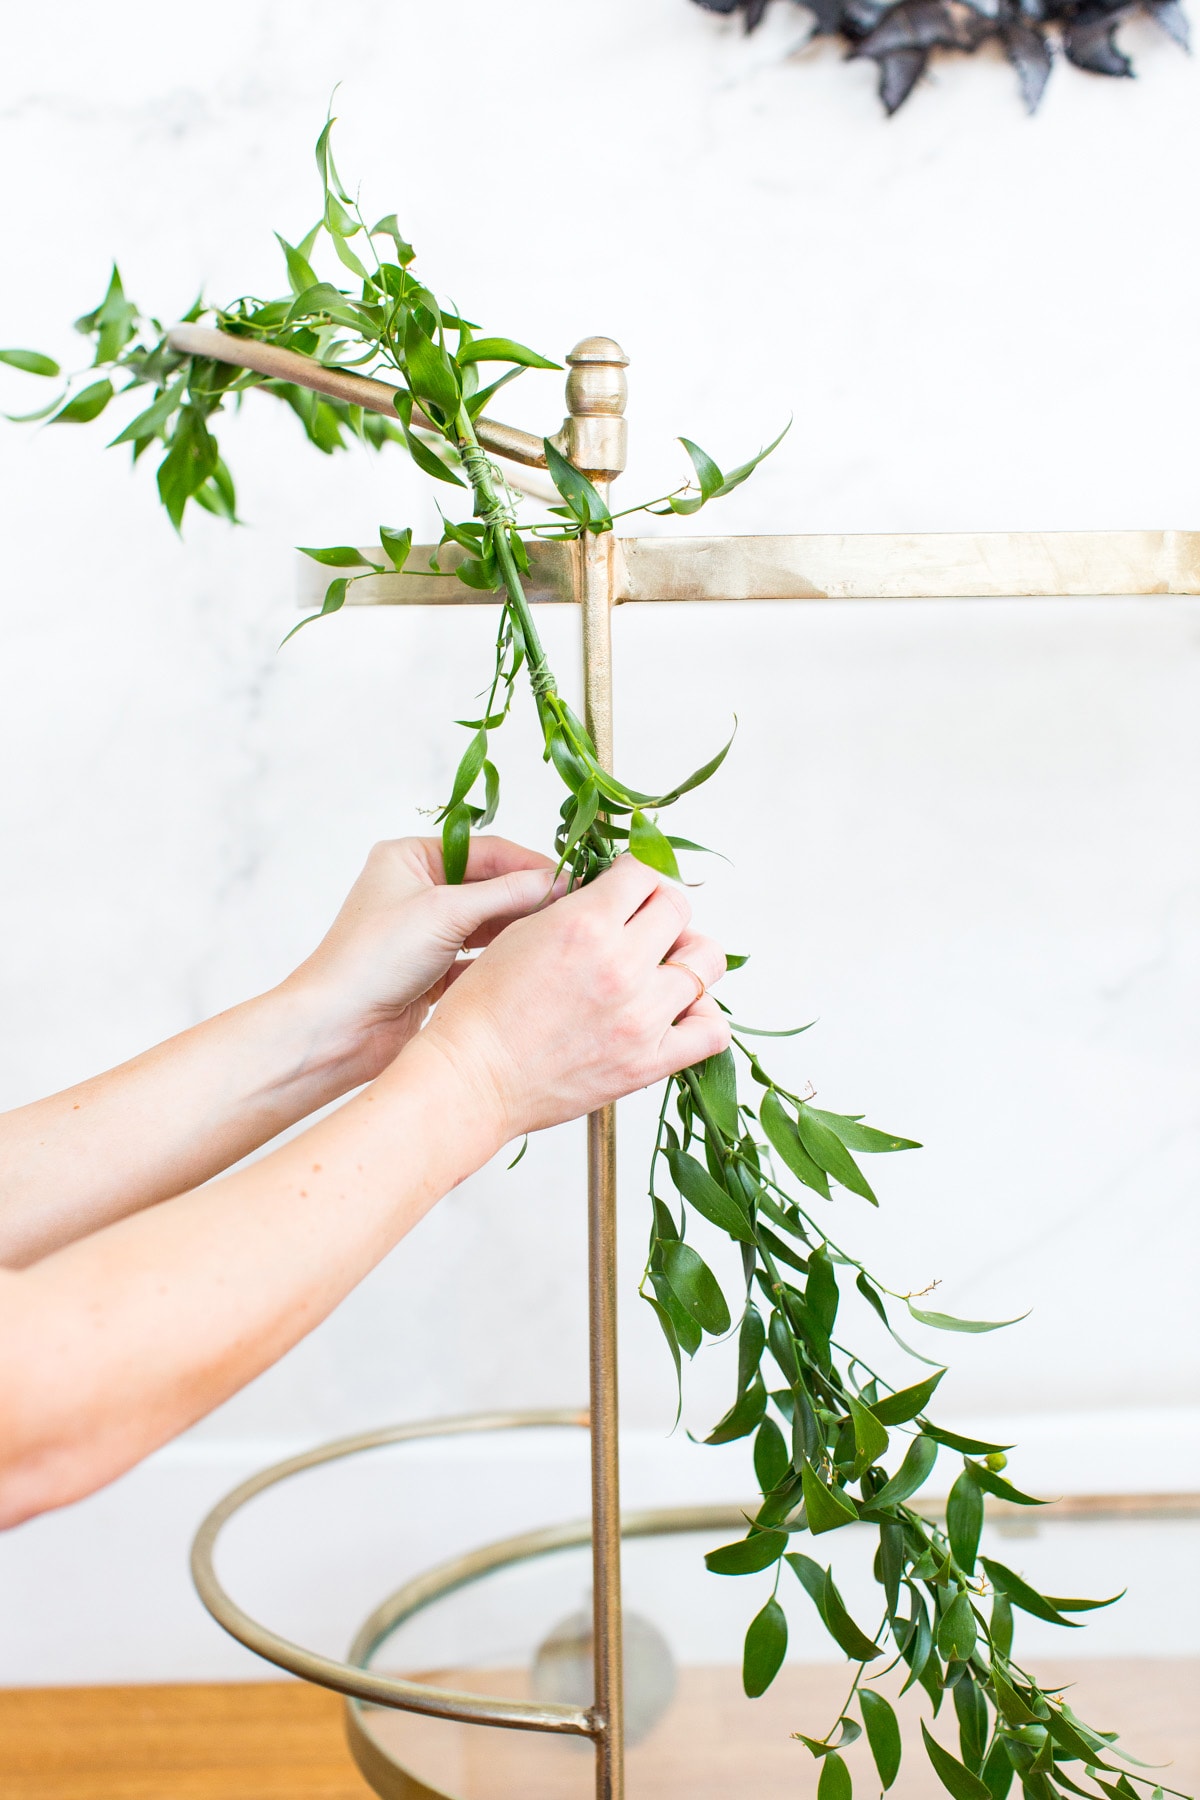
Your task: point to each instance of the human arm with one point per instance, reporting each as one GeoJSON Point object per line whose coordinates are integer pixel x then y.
{"type": "Point", "coordinates": [115, 1343]}
{"type": "Point", "coordinates": [189, 1108]}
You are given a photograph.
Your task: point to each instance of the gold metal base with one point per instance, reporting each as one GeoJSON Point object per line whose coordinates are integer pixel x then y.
{"type": "Point", "coordinates": [359, 1683]}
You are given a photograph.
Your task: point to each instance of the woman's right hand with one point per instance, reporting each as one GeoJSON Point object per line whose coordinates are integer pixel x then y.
{"type": "Point", "coordinates": [572, 1007]}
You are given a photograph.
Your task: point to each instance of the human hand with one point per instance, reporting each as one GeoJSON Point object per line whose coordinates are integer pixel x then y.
{"type": "Point", "coordinates": [574, 1006]}
{"type": "Point", "coordinates": [396, 943]}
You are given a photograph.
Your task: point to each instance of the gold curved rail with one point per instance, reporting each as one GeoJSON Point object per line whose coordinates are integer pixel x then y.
{"type": "Point", "coordinates": [345, 1677]}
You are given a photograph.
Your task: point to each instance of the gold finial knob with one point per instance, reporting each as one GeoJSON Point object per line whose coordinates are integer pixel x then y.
{"type": "Point", "coordinates": [593, 436]}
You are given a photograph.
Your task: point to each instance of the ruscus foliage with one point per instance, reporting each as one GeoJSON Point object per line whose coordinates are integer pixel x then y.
{"type": "Point", "coordinates": [834, 1444]}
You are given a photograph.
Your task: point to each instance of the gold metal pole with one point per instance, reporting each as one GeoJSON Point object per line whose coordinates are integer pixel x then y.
{"type": "Point", "coordinates": [343, 384]}
{"type": "Point", "coordinates": [595, 436]}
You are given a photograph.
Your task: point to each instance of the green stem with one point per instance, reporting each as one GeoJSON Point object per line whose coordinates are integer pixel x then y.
{"type": "Point", "coordinates": [487, 501]}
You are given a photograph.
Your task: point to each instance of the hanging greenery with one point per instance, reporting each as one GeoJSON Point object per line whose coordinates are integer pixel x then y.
{"type": "Point", "coordinates": [900, 35]}
{"type": "Point", "coordinates": [835, 1444]}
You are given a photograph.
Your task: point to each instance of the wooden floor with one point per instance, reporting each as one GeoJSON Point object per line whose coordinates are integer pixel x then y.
{"type": "Point", "coordinates": [262, 1741]}
{"type": "Point", "coordinates": [283, 1741]}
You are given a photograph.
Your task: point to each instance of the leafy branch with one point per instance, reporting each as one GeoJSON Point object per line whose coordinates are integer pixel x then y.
{"type": "Point", "coordinates": [834, 1444]}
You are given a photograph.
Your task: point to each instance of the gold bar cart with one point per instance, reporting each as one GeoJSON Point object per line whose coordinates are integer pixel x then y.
{"type": "Point", "coordinates": [597, 573]}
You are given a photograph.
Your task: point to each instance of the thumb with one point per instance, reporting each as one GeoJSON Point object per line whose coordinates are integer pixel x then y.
{"type": "Point", "coordinates": [467, 909]}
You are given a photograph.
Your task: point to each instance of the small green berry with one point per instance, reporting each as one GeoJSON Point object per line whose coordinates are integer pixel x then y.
{"type": "Point", "coordinates": [996, 1461]}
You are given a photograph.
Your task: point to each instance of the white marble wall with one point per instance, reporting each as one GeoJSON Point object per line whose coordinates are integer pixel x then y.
{"type": "Point", "coordinates": [963, 836]}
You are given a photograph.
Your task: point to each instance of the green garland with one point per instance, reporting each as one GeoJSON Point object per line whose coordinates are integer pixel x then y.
{"type": "Point", "coordinates": [834, 1443]}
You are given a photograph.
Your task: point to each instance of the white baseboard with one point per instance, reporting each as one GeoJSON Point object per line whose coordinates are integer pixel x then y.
{"type": "Point", "coordinates": [100, 1591]}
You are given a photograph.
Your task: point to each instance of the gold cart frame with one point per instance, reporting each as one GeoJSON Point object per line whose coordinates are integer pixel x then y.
{"type": "Point", "coordinates": [596, 573]}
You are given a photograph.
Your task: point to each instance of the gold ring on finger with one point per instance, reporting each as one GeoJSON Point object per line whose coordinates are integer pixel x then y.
{"type": "Point", "coordinates": [701, 989]}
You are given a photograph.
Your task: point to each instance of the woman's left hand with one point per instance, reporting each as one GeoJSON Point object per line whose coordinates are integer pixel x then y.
{"type": "Point", "coordinates": [396, 944]}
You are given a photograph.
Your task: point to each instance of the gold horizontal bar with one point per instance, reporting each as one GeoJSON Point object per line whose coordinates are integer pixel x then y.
{"type": "Point", "coordinates": [549, 578]}
{"type": "Point", "coordinates": [915, 566]}
{"type": "Point", "coordinates": [342, 384]}
{"type": "Point", "coordinates": [907, 566]}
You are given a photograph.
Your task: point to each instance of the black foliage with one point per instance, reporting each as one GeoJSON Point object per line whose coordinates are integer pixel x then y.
{"type": "Point", "coordinates": [899, 37]}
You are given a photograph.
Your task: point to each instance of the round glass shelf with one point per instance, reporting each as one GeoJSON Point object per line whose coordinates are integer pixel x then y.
{"type": "Point", "coordinates": [503, 1633]}
{"type": "Point", "coordinates": [521, 1631]}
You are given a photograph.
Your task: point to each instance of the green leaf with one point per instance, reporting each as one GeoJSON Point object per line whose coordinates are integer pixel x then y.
{"type": "Point", "coordinates": [826, 1508]}
{"type": "Point", "coordinates": [217, 495]}
{"type": "Point", "coordinates": [964, 1445]}
{"type": "Point", "coordinates": [821, 1294]}
{"type": "Point", "coordinates": [428, 461]}
{"type": "Point", "coordinates": [339, 556]}
{"type": "Point", "coordinates": [947, 1322]}
{"type": "Point", "coordinates": [153, 421]}
{"type": "Point", "coordinates": [337, 237]}
{"type": "Point", "coordinates": [301, 275]}
{"type": "Point", "coordinates": [501, 349]}
{"type": "Point", "coordinates": [765, 1649]}
{"type": "Point", "coordinates": [1003, 1490]}
{"type": "Point", "coordinates": [696, 1288]}
{"type": "Point", "coordinates": [1001, 1624]}
{"type": "Point", "coordinates": [686, 1329]}
{"type": "Point", "coordinates": [771, 1459]}
{"type": "Point", "coordinates": [717, 1081]}
{"type": "Point", "coordinates": [32, 361]}
{"type": "Point", "coordinates": [583, 501]}
{"type": "Point", "coordinates": [42, 412]}
{"type": "Point", "coordinates": [491, 795]}
{"type": "Point", "coordinates": [956, 1630]}
{"type": "Point", "coordinates": [335, 595]}
{"type": "Point", "coordinates": [708, 478]}
{"type": "Point", "coordinates": [698, 776]}
{"type": "Point", "coordinates": [870, 1438]}
{"type": "Point", "coordinates": [1009, 1703]}
{"type": "Point", "coordinates": [883, 1734]}
{"type": "Point", "coordinates": [834, 1782]}
{"type": "Point", "coordinates": [430, 372]}
{"type": "Point", "coordinates": [744, 470]}
{"type": "Point", "coordinates": [964, 1520]}
{"type": "Point", "coordinates": [743, 1415]}
{"type": "Point", "coordinates": [842, 1628]}
{"type": "Point", "coordinates": [785, 1140]}
{"type": "Point", "coordinates": [752, 1340]}
{"type": "Point", "coordinates": [897, 1409]}
{"type": "Point", "coordinates": [456, 842]}
{"type": "Point", "coordinates": [397, 544]}
{"type": "Point", "coordinates": [857, 1136]}
{"type": "Point", "coordinates": [323, 298]}
{"type": "Point", "coordinates": [971, 1709]}
{"type": "Point", "coordinates": [1084, 1605]}
{"type": "Point", "coordinates": [85, 406]}
{"type": "Point", "coordinates": [113, 323]}
{"type": "Point", "coordinates": [871, 1296]}
{"type": "Point", "coordinates": [748, 1555]}
{"type": "Point", "coordinates": [998, 1771]}
{"type": "Point", "coordinates": [329, 175]}
{"type": "Point", "coordinates": [468, 770]}
{"type": "Point", "coordinates": [667, 1327]}
{"type": "Point", "coordinates": [830, 1154]}
{"type": "Point", "coordinates": [952, 1774]}
{"type": "Point", "coordinates": [701, 1191]}
{"type": "Point", "coordinates": [650, 846]}
{"type": "Point", "coordinates": [849, 1733]}
{"type": "Point", "coordinates": [190, 460]}
{"type": "Point", "coordinates": [913, 1471]}
{"type": "Point", "coordinates": [1019, 1593]}
{"type": "Point", "coordinates": [475, 573]}
{"type": "Point", "coordinates": [389, 227]}
{"type": "Point", "coordinates": [757, 1030]}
